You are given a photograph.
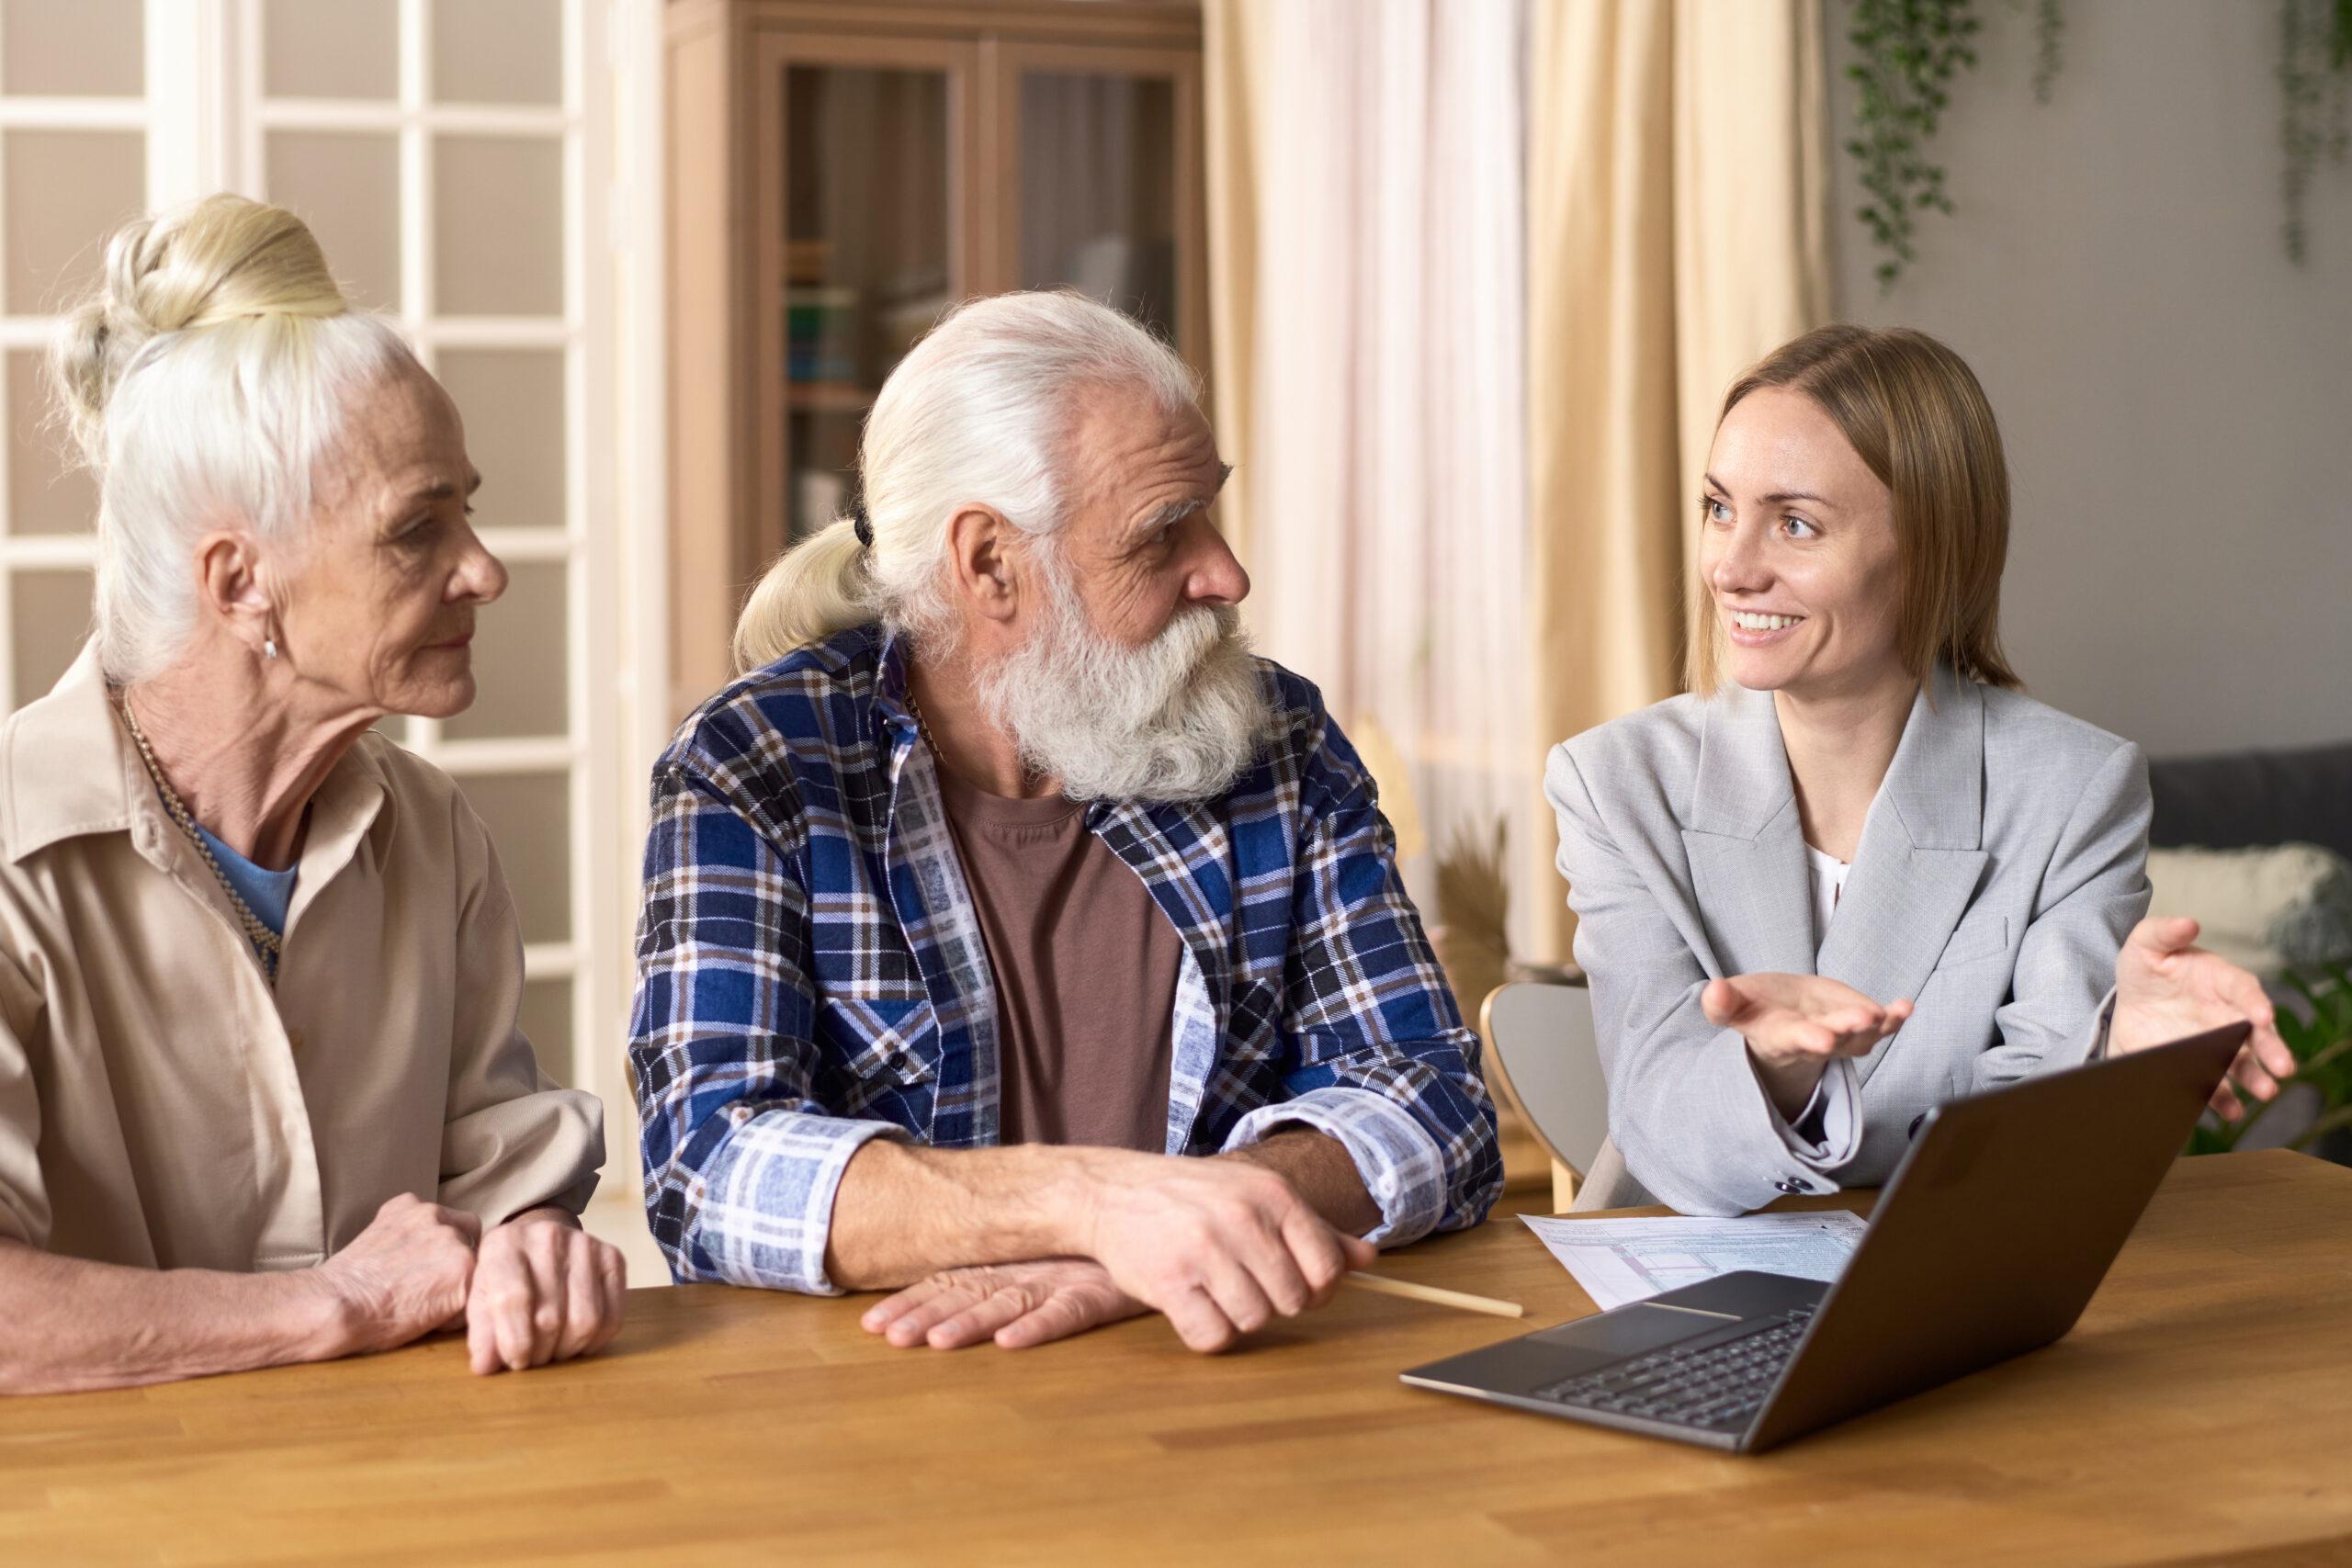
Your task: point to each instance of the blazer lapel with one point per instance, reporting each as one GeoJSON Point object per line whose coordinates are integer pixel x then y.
{"type": "Point", "coordinates": [1746, 849]}
{"type": "Point", "coordinates": [1921, 854]}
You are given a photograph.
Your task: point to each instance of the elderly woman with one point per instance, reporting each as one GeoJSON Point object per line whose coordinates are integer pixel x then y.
{"type": "Point", "coordinates": [1867, 874]}
{"type": "Point", "coordinates": [262, 1095]}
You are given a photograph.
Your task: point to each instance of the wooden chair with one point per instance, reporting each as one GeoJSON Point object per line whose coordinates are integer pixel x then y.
{"type": "Point", "coordinates": [1546, 1061]}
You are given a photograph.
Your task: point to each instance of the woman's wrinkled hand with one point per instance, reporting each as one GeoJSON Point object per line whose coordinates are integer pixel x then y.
{"type": "Point", "coordinates": [404, 1276]}
{"type": "Point", "coordinates": [543, 1290]}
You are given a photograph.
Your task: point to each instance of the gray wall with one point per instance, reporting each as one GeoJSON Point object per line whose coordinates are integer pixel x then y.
{"type": "Point", "coordinates": [2176, 395]}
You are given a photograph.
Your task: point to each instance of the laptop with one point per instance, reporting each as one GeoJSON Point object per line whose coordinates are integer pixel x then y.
{"type": "Point", "coordinates": [1987, 1242]}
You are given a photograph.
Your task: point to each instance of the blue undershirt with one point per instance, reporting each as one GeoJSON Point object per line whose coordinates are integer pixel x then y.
{"type": "Point", "coordinates": [268, 894]}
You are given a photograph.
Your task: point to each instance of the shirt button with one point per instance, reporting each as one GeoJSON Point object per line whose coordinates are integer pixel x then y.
{"type": "Point", "coordinates": [1791, 1185]}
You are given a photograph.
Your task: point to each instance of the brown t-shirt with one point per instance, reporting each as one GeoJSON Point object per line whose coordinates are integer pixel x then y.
{"type": "Point", "coordinates": [1085, 966]}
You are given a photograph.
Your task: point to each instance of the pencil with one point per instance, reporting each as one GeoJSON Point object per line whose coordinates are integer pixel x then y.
{"type": "Point", "coordinates": [1459, 1299]}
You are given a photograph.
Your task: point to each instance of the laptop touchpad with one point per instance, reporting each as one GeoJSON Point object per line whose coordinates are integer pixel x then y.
{"type": "Point", "coordinates": [1630, 1330]}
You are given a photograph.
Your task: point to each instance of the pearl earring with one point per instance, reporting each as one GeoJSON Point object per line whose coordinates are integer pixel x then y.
{"type": "Point", "coordinates": [269, 647]}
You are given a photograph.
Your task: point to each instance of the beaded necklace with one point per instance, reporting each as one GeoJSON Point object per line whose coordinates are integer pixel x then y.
{"type": "Point", "coordinates": [265, 941]}
{"type": "Point", "coordinates": [922, 728]}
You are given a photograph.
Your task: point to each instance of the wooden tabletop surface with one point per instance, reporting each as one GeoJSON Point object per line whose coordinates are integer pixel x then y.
{"type": "Point", "coordinates": [2203, 1407]}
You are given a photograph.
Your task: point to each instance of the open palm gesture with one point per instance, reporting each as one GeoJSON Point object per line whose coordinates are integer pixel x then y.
{"type": "Point", "coordinates": [2167, 988]}
{"type": "Point", "coordinates": [1795, 1025]}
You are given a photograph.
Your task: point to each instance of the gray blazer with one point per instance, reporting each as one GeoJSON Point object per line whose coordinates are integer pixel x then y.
{"type": "Point", "coordinates": [2001, 866]}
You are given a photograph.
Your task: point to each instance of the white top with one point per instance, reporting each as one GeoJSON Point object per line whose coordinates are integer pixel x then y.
{"type": "Point", "coordinates": [1830, 1112]}
{"type": "Point", "coordinates": [1828, 881]}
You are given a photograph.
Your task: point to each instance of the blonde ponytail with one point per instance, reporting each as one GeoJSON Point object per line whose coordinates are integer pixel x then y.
{"type": "Point", "coordinates": [815, 589]}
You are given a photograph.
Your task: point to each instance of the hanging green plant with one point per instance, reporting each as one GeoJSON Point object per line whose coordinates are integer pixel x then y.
{"type": "Point", "coordinates": [2048, 39]}
{"type": "Point", "coordinates": [1910, 51]}
{"type": "Point", "coordinates": [2314, 75]}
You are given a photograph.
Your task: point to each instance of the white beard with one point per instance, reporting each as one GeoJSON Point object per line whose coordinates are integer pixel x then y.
{"type": "Point", "coordinates": [1177, 719]}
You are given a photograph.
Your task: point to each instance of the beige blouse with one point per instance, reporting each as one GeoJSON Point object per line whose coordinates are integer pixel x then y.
{"type": "Point", "coordinates": [160, 1106]}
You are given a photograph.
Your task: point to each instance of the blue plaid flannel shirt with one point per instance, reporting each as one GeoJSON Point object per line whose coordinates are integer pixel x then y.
{"type": "Point", "coordinates": [810, 972]}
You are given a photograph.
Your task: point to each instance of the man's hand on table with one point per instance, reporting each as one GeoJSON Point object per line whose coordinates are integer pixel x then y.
{"type": "Point", "coordinates": [1220, 1246]}
{"type": "Point", "coordinates": [543, 1290]}
{"type": "Point", "coordinates": [1017, 1305]}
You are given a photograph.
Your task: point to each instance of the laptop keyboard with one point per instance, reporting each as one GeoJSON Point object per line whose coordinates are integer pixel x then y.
{"type": "Point", "coordinates": [1721, 1384]}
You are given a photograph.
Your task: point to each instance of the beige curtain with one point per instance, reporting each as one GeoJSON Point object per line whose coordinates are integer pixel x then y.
{"type": "Point", "coordinates": [1367, 241]}
{"type": "Point", "coordinates": [1233, 45]}
{"type": "Point", "coordinates": [1461, 488]}
{"type": "Point", "coordinates": [1675, 233]}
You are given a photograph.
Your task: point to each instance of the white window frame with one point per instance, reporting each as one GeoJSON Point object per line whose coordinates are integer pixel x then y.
{"type": "Point", "coordinates": [177, 169]}
{"type": "Point", "coordinates": [205, 120]}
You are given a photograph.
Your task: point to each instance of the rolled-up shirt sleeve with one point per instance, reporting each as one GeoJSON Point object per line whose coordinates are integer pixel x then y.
{"type": "Point", "coordinates": [511, 1139]}
{"type": "Point", "coordinates": [743, 1159]}
{"type": "Point", "coordinates": [1399, 1159]}
{"type": "Point", "coordinates": [1376, 1054]}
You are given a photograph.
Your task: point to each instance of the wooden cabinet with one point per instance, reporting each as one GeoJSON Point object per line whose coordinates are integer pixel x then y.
{"type": "Point", "coordinates": [839, 174]}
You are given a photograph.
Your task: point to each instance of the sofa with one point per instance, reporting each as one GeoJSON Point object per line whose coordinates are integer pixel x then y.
{"type": "Point", "coordinates": [2258, 845]}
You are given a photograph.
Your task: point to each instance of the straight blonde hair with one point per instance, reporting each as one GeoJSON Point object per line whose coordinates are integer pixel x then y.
{"type": "Point", "coordinates": [1914, 412]}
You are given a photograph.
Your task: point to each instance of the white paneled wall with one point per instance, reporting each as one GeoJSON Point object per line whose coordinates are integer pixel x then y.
{"type": "Point", "coordinates": [456, 159]}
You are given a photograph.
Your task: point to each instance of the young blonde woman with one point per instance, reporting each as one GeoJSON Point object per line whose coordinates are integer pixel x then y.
{"type": "Point", "coordinates": [1855, 871]}
{"type": "Point", "coordinates": [262, 1094]}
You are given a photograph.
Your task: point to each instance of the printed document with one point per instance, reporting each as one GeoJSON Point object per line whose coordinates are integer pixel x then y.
{"type": "Point", "coordinates": [1618, 1262]}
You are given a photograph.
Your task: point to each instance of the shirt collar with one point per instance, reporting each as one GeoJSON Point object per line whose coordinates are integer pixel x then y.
{"type": "Point", "coordinates": [71, 769]}
{"type": "Point", "coordinates": [895, 728]}
{"type": "Point", "coordinates": [890, 676]}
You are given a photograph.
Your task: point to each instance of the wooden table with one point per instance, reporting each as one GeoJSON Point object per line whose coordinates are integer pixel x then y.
{"type": "Point", "coordinates": [2203, 1406]}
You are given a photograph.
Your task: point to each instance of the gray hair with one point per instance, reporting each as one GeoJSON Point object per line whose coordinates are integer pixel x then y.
{"type": "Point", "coordinates": [977, 412]}
{"type": "Point", "coordinates": [203, 380]}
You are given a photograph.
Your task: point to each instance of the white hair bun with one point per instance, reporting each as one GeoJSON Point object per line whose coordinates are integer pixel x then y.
{"type": "Point", "coordinates": [211, 261]}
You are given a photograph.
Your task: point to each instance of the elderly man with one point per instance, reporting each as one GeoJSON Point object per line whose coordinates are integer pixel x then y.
{"type": "Point", "coordinates": [1010, 934]}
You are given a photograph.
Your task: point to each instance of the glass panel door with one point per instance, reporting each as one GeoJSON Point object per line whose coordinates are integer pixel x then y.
{"type": "Point", "coordinates": [446, 174]}
{"type": "Point", "coordinates": [75, 122]}
{"type": "Point", "coordinates": [866, 258]}
{"type": "Point", "coordinates": [455, 158]}
{"type": "Point", "coordinates": [1103, 184]}
{"type": "Point", "coordinates": [1098, 190]}
{"type": "Point", "coordinates": [867, 141]}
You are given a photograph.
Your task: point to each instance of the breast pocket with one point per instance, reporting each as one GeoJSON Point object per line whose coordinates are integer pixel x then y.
{"type": "Point", "coordinates": [1986, 936]}
{"type": "Point", "coordinates": [880, 1040]}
